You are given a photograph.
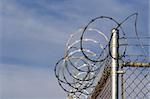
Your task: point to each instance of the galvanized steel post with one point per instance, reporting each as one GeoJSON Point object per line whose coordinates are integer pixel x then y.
{"type": "Point", "coordinates": [114, 54]}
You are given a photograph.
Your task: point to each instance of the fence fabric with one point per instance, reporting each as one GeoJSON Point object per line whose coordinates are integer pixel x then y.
{"type": "Point", "coordinates": [135, 82]}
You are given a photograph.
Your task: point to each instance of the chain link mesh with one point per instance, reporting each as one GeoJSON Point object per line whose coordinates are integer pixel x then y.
{"type": "Point", "coordinates": [136, 83]}
{"type": "Point", "coordinates": [103, 88]}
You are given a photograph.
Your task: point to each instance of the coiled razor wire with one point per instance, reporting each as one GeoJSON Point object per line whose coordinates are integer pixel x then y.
{"type": "Point", "coordinates": [78, 71]}
{"type": "Point", "coordinates": [74, 71]}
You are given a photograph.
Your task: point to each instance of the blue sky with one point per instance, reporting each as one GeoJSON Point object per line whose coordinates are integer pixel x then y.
{"type": "Point", "coordinates": [33, 37]}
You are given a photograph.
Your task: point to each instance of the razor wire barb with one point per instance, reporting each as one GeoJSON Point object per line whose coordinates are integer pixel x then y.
{"type": "Point", "coordinates": [84, 73]}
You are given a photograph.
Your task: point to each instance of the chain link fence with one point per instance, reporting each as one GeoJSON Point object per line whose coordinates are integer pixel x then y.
{"type": "Point", "coordinates": [101, 66]}
{"type": "Point", "coordinates": [103, 88]}
{"type": "Point", "coordinates": [135, 82]}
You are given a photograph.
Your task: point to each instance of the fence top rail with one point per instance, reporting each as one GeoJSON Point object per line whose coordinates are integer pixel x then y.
{"type": "Point", "coordinates": [135, 64]}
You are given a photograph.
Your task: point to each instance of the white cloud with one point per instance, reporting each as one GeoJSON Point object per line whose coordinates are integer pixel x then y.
{"type": "Point", "coordinates": [26, 24]}
{"type": "Point", "coordinates": [24, 82]}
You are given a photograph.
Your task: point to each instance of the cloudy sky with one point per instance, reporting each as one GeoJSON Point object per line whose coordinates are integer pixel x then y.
{"type": "Point", "coordinates": [33, 36]}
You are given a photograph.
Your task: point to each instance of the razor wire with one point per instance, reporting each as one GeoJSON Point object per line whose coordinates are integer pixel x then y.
{"type": "Point", "coordinates": [84, 73]}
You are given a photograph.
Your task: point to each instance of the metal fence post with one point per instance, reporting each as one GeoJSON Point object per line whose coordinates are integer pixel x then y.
{"type": "Point", "coordinates": [114, 54]}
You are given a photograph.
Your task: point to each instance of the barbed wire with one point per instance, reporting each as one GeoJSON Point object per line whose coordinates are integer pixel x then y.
{"type": "Point", "coordinates": [132, 45]}
{"type": "Point", "coordinates": [78, 71]}
{"type": "Point", "coordinates": [134, 38]}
